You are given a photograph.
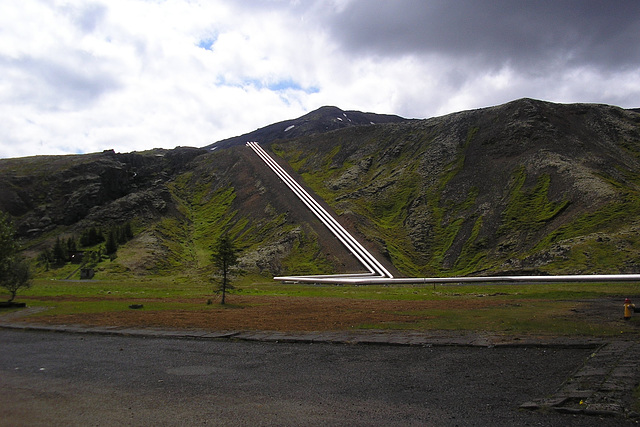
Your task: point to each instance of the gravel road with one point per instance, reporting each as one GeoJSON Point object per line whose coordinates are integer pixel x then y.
{"type": "Point", "coordinates": [60, 379]}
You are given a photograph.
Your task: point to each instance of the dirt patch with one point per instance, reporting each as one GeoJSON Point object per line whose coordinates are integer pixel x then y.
{"type": "Point", "coordinates": [267, 313]}
{"type": "Point", "coordinates": [290, 314]}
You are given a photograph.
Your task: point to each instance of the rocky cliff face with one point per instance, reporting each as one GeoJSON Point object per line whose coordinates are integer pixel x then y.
{"type": "Point", "coordinates": [44, 193]}
{"type": "Point", "coordinates": [528, 186]}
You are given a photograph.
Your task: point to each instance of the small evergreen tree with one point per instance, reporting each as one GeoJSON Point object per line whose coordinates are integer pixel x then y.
{"type": "Point", "coordinates": [45, 259]}
{"type": "Point", "coordinates": [111, 247]}
{"type": "Point", "coordinates": [225, 260]}
{"type": "Point", "coordinates": [59, 252]}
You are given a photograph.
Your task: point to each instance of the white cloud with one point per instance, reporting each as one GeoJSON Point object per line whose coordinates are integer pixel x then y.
{"type": "Point", "coordinates": [79, 76]}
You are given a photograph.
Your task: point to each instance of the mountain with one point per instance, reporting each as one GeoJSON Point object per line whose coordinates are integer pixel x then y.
{"type": "Point", "coordinates": [525, 187]}
{"type": "Point", "coordinates": [322, 120]}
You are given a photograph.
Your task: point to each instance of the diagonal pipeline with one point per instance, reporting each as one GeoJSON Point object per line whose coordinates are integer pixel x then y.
{"type": "Point", "coordinates": [364, 256]}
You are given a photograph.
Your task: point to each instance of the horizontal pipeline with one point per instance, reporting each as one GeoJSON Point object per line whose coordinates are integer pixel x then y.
{"type": "Point", "coordinates": [349, 280]}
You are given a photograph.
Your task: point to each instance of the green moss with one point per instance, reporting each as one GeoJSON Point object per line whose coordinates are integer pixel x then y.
{"type": "Point", "coordinates": [210, 212]}
{"type": "Point", "coordinates": [402, 255]}
{"type": "Point", "coordinates": [529, 210]}
{"type": "Point", "coordinates": [616, 253]}
{"type": "Point", "coordinates": [608, 218]}
{"type": "Point", "coordinates": [473, 252]}
{"type": "Point", "coordinates": [456, 166]}
{"type": "Point", "coordinates": [305, 257]}
{"type": "Point", "coordinates": [296, 157]}
{"type": "Point", "coordinates": [206, 214]}
{"type": "Point", "coordinates": [448, 217]}
{"type": "Point", "coordinates": [328, 159]}
{"type": "Point", "coordinates": [389, 208]}
{"type": "Point", "coordinates": [174, 234]}
{"type": "Point", "coordinates": [212, 217]}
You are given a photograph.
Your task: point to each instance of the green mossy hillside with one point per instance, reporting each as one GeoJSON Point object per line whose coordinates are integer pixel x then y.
{"type": "Point", "coordinates": [476, 195]}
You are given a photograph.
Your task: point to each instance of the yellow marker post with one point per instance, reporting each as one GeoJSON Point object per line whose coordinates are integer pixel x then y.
{"type": "Point", "coordinates": [628, 309]}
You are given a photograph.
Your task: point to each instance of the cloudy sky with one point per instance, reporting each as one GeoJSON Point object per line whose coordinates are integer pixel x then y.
{"type": "Point", "coordinates": [85, 76]}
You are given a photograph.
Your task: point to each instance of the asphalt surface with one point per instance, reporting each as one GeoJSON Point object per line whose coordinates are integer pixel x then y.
{"type": "Point", "coordinates": [152, 377]}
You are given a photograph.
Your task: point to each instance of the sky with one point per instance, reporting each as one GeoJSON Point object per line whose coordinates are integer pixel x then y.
{"type": "Point", "coordinates": [131, 75]}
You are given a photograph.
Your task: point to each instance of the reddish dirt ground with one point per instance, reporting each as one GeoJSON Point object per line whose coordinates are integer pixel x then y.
{"type": "Point", "coordinates": [290, 314]}
{"type": "Point", "coordinates": [265, 313]}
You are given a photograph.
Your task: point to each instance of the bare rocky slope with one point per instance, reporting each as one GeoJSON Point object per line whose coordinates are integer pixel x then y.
{"type": "Point", "coordinates": [528, 186]}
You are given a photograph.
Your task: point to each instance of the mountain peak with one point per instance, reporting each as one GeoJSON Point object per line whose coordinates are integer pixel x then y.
{"type": "Point", "coordinates": [324, 119]}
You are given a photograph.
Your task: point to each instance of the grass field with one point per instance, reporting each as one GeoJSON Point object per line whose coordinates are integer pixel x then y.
{"type": "Point", "coordinates": [259, 303]}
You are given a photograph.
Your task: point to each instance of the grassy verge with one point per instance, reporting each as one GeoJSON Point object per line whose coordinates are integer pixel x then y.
{"type": "Point", "coordinates": [546, 309]}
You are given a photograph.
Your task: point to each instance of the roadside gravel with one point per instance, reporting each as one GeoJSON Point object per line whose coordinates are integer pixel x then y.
{"type": "Point", "coordinates": [90, 379]}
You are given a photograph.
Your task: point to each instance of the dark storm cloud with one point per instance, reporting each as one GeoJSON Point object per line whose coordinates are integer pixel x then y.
{"type": "Point", "coordinates": [594, 33]}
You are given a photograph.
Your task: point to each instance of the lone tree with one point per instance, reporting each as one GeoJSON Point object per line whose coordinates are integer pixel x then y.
{"type": "Point", "coordinates": [225, 259]}
{"type": "Point", "coordinates": [14, 271]}
{"type": "Point", "coordinates": [18, 277]}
